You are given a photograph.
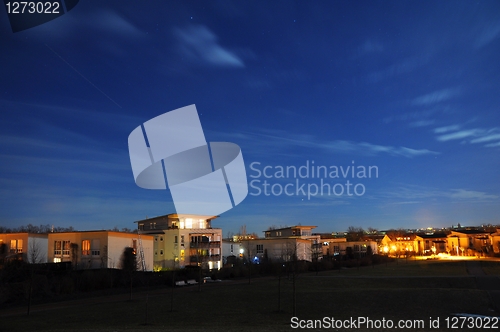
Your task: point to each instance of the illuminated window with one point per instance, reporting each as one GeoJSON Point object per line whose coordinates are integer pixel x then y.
{"type": "Point", "coordinates": [182, 224]}
{"type": "Point", "coordinates": [16, 246]}
{"type": "Point", "coordinates": [189, 223]}
{"type": "Point", "coordinates": [85, 247]}
{"type": "Point", "coordinates": [182, 254]}
{"type": "Point", "coordinates": [57, 260]}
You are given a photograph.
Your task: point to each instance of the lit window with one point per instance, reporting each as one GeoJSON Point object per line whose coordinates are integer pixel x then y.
{"type": "Point", "coordinates": [85, 247]}
{"type": "Point", "coordinates": [57, 259]}
{"type": "Point", "coordinates": [16, 246]}
{"type": "Point", "coordinates": [189, 223]}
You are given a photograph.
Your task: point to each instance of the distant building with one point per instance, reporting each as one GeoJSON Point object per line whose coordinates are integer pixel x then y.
{"type": "Point", "coordinates": [495, 241]}
{"type": "Point", "coordinates": [277, 249]}
{"type": "Point", "coordinates": [470, 241]}
{"type": "Point", "coordinates": [231, 250]}
{"type": "Point", "coordinates": [400, 244]}
{"type": "Point", "coordinates": [327, 240]}
{"type": "Point", "coordinates": [433, 243]}
{"type": "Point", "coordinates": [355, 248]}
{"type": "Point", "coordinates": [97, 249]}
{"type": "Point", "coordinates": [29, 247]}
{"type": "Point", "coordinates": [184, 240]}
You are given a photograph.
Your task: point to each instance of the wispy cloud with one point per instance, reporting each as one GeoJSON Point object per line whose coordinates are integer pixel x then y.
{"type": "Point", "coordinates": [418, 194]}
{"type": "Point", "coordinates": [470, 194]}
{"type": "Point", "coordinates": [442, 130]}
{"type": "Point", "coordinates": [493, 145]}
{"type": "Point", "coordinates": [200, 44]}
{"type": "Point", "coordinates": [422, 123]}
{"type": "Point", "coordinates": [458, 135]}
{"type": "Point", "coordinates": [472, 136]}
{"type": "Point", "coordinates": [489, 34]}
{"type": "Point", "coordinates": [279, 141]}
{"type": "Point", "coordinates": [368, 149]}
{"type": "Point", "coordinates": [435, 97]}
{"type": "Point", "coordinates": [487, 138]}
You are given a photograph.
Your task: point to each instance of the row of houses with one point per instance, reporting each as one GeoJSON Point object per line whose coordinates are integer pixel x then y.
{"type": "Point", "coordinates": [177, 241]}
{"type": "Point", "coordinates": [458, 242]}
{"type": "Point", "coordinates": [83, 249]}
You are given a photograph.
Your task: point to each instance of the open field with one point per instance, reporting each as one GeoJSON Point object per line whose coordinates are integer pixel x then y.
{"type": "Point", "coordinates": [413, 290]}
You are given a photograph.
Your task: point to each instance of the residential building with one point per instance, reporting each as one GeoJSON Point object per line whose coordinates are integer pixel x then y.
{"type": "Point", "coordinates": [184, 240]}
{"type": "Point", "coordinates": [399, 243]}
{"type": "Point", "coordinates": [433, 243]}
{"type": "Point", "coordinates": [282, 249]}
{"type": "Point", "coordinates": [29, 247]}
{"type": "Point", "coordinates": [470, 241]}
{"type": "Point", "coordinates": [495, 241]}
{"type": "Point", "coordinates": [98, 249]}
{"type": "Point", "coordinates": [327, 240]}
{"type": "Point", "coordinates": [299, 232]}
{"type": "Point", "coordinates": [355, 248]}
{"type": "Point", "coordinates": [231, 250]}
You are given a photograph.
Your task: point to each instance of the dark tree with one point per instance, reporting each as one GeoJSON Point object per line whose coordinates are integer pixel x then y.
{"type": "Point", "coordinates": [129, 260]}
{"type": "Point", "coordinates": [369, 251]}
{"type": "Point", "coordinates": [354, 233]}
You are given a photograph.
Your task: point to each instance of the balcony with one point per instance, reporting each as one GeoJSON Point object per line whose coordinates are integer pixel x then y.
{"type": "Point", "coordinates": [204, 245]}
{"type": "Point", "coordinates": [200, 259]}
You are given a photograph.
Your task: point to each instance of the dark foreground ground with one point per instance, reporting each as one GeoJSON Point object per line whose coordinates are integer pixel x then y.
{"type": "Point", "coordinates": [406, 290]}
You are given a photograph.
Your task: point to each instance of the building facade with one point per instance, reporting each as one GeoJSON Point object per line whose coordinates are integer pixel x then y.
{"type": "Point", "coordinates": [98, 249]}
{"type": "Point", "coordinates": [184, 240]}
{"type": "Point", "coordinates": [29, 247]}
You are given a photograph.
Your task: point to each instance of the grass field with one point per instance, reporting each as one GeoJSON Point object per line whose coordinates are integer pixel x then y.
{"type": "Point", "coordinates": [407, 290]}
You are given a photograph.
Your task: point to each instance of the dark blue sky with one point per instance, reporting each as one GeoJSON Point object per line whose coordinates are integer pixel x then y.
{"type": "Point", "coordinates": [411, 87]}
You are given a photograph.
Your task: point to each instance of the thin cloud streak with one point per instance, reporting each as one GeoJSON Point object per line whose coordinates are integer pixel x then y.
{"type": "Point", "coordinates": [200, 44]}
{"type": "Point", "coordinates": [435, 97]}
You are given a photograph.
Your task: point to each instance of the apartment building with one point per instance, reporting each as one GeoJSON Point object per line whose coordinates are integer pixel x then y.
{"type": "Point", "coordinates": [283, 249]}
{"type": "Point", "coordinates": [29, 247]}
{"type": "Point", "coordinates": [97, 249]}
{"type": "Point", "coordinates": [184, 240]}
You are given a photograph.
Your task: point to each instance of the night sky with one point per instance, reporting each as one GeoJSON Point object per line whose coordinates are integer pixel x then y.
{"type": "Point", "coordinates": [411, 87]}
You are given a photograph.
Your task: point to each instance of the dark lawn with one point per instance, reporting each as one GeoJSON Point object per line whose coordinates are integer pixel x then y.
{"type": "Point", "coordinates": [418, 290]}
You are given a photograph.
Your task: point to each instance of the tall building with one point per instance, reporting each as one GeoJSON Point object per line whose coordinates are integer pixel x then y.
{"type": "Point", "coordinates": [184, 240]}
